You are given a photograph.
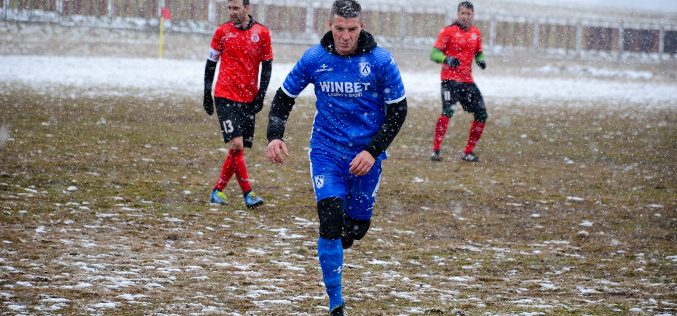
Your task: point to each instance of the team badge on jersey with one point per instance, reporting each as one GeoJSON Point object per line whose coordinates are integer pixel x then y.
{"type": "Point", "coordinates": [365, 69]}
{"type": "Point", "coordinates": [319, 181]}
{"type": "Point", "coordinates": [255, 38]}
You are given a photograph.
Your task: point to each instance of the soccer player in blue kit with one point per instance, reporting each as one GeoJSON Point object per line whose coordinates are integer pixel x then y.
{"type": "Point", "coordinates": [360, 107]}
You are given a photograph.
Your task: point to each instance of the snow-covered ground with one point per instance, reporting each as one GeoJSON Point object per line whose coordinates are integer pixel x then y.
{"type": "Point", "coordinates": [575, 85]}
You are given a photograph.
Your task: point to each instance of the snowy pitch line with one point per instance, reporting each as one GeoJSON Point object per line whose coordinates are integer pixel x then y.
{"type": "Point", "coordinates": [106, 76]}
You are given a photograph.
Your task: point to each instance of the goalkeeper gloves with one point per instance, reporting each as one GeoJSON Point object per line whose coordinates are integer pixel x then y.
{"type": "Point", "coordinates": [479, 60]}
{"type": "Point", "coordinates": [257, 104]}
{"type": "Point", "coordinates": [452, 61]}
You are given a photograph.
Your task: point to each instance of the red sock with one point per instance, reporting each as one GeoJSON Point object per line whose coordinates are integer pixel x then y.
{"type": "Point", "coordinates": [241, 171]}
{"type": "Point", "coordinates": [440, 130]}
{"type": "Point", "coordinates": [226, 172]}
{"type": "Point", "coordinates": [476, 130]}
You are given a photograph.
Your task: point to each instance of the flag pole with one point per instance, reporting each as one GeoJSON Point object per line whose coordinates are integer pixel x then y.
{"type": "Point", "coordinates": [162, 28]}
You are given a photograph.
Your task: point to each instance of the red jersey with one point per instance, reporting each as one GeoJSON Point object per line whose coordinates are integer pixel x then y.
{"type": "Point", "coordinates": [462, 44]}
{"type": "Point", "coordinates": [240, 52]}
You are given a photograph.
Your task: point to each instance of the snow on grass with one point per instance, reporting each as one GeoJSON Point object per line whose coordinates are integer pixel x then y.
{"type": "Point", "coordinates": [575, 199]}
{"type": "Point", "coordinates": [16, 307]}
{"type": "Point", "coordinates": [288, 266]}
{"type": "Point", "coordinates": [461, 279]}
{"type": "Point", "coordinates": [105, 305]}
{"type": "Point", "coordinates": [158, 77]}
{"type": "Point", "coordinates": [79, 286]}
{"type": "Point", "coordinates": [585, 223]}
{"type": "Point", "coordinates": [547, 286]}
{"type": "Point", "coordinates": [382, 262]}
{"type": "Point", "coordinates": [586, 290]}
{"type": "Point", "coordinates": [282, 233]}
{"type": "Point", "coordinates": [407, 296]}
{"type": "Point", "coordinates": [266, 303]}
{"type": "Point", "coordinates": [131, 297]}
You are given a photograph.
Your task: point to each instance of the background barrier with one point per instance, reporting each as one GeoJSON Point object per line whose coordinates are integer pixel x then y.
{"type": "Point", "coordinates": [396, 26]}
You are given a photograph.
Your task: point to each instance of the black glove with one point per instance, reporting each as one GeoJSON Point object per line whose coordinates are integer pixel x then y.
{"type": "Point", "coordinates": [208, 102]}
{"type": "Point", "coordinates": [482, 64]}
{"type": "Point", "coordinates": [452, 61]}
{"type": "Point", "coordinates": [257, 104]}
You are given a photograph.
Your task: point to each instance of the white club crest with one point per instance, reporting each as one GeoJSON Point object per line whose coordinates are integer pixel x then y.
{"type": "Point", "coordinates": [255, 38]}
{"type": "Point", "coordinates": [365, 69]}
{"type": "Point", "coordinates": [319, 181]}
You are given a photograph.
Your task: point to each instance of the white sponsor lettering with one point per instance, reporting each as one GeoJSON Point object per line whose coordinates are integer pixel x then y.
{"type": "Point", "coordinates": [349, 89]}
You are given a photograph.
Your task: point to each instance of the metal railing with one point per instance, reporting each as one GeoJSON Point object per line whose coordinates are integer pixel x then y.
{"type": "Point", "coordinates": [410, 27]}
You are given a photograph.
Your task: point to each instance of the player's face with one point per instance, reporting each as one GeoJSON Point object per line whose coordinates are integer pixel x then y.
{"type": "Point", "coordinates": [465, 16]}
{"type": "Point", "coordinates": [345, 31]}
{"type": "Point", "coordinates": [238, 12]}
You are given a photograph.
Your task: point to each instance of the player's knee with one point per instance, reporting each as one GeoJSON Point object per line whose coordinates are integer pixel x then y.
{"type": "Point", "coordinates": [448, 112]}
{"type": "Point", "coordinates": [481, 116]}
{"type": "Point", "coordinates": [330, 211]}
{"type": "Point", "coordinates": [357, 228]}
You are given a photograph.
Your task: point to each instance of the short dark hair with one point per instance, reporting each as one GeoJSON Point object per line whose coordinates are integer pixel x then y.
{"type": "Point", "coordinates": [244, 2]}
{"type": "Point", "coordinates": [466, 4]}
{"type": "Point", "coordinates": [346, 8]}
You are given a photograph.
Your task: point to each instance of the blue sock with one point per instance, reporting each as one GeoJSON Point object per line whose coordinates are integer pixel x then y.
{"type": "Point", "coordinates": [330, 253]}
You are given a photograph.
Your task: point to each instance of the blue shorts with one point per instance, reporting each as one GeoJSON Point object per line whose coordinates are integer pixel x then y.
{"type": "Point", "coordinates": [331, 177]}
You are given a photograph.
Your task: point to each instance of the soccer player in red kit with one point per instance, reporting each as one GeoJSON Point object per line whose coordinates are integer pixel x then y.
{"type": "Point", "coordinates": [240, 45]}
{"type": "Point", "coordinates": [456, 47]}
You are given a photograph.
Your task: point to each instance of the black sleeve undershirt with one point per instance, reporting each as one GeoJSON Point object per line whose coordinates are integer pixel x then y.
{"type": "Point", "coordinates": [395, 115]}
{"type": "Point", "coordinates": [278, 115]}
{"type": "Point", "coordinates": [210, 70]}
{"type": "Point", "coordinates": [266, 71]}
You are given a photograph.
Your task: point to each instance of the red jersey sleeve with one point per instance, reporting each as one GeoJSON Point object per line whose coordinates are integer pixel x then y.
{"type": "Point", "coordinates": [442, 38]}
{"type": "Point", "coordinates": [217, 42]}
{"type": "Point", "coordinates": [479, 42]}
{"type": "Point", "coordinates": [266, 52]}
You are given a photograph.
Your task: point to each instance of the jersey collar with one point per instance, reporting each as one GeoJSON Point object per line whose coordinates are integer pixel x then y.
{"type": "Point", "coordinates": [365, 44]}
{"type": "Point", "coordinates": [248, 26]}
{"type": "Point", "coordinates": [460, 26]}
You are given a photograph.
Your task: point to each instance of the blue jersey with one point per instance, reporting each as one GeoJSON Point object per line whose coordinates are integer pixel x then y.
{"type": "Point", "coordinates": [352, 95]}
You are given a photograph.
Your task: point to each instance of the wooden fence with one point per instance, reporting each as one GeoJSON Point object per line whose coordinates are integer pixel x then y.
{"type": "Point", "coordinates": [413, 27]}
